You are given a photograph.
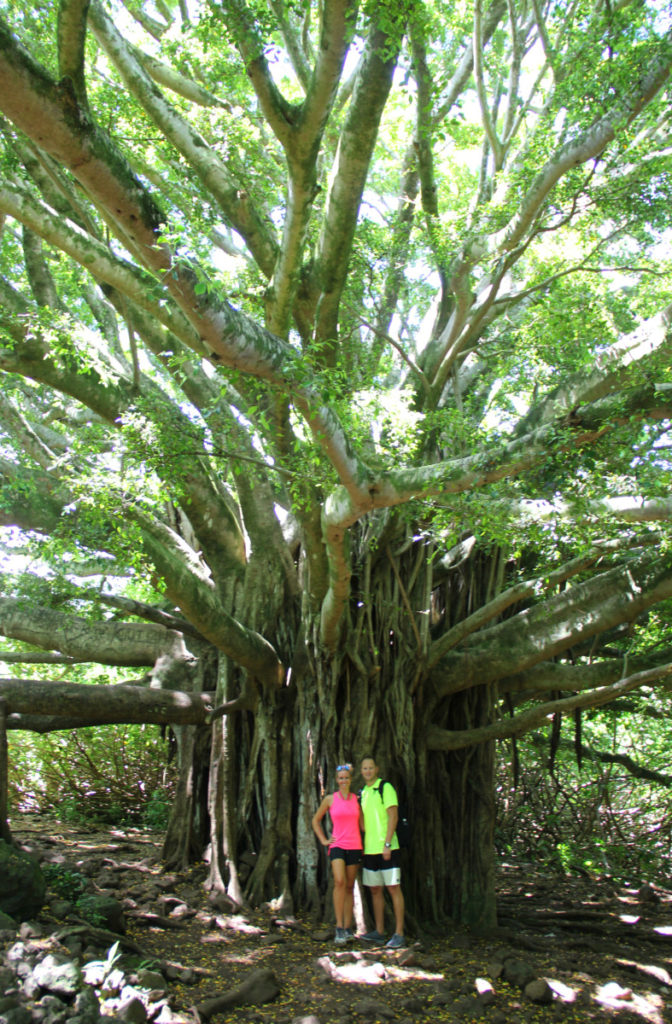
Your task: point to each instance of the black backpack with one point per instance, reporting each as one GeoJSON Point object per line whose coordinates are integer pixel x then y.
{"type": "Point", "coordinates": [403, 829]}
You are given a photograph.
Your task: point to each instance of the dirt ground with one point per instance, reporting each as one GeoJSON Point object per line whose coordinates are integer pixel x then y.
{"type": "Point", "coordinates": [603, 949]}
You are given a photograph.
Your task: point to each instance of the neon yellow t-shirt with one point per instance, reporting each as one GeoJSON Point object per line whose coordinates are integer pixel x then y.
{"type": "Point", "coordinates": [375, 816]}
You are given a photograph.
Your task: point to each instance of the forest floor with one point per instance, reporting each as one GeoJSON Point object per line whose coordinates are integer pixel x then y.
{"type": "Point", "coordinates": [604, 949]}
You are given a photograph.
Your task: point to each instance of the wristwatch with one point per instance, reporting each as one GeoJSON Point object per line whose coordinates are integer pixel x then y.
{"type": "Point", "coordinates": [388, 846]}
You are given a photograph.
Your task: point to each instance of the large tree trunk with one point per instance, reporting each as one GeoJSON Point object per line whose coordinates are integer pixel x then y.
{"type": "Point", "coordinates": [189, 824]}
{"type": "Point", "coordinates": [269, 767]}
{"type": "Point", "coordinates": [5, 832]}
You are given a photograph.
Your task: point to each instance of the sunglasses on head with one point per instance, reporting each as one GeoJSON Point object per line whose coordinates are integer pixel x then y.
{"type": "Point", "coordinates": [343, 767]}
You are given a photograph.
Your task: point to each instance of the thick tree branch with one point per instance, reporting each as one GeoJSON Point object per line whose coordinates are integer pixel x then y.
{"type": "Point", "coordinates": [302, 144]}
{"type": "Point", "coordinates": [523, 591]}
{"type": "Point", "coordinates": [39, 276]}
{"type": "Point", "coordinates": [543, 631]}
{"type": "Point", "coordinates": [651, 336]}
{"type": "Point", "coordinates": [211, 170]}
{"type": "Point", "coordinates": [279, 113]}
{"type": "Point", "coordinates": [591, 144]}
{"type": "Point", "coordinates": [108, 643]}
{"type": "Point", "coordinates": [101, 704]}
{"type": "Point", "coordinates": [351, 165]}
{"type": "Point", "coordinates": [445, 739]}
{"type": "Point", "coordinates": [190, 587]}
{"type": "Point", "coordinates": [72, 16]}
{"type": "Point", "coordinates": [457, 476]}
{"type": "Point", "coordinates": [97, 258]}
{"type": "Point", "coordinates": [170, 78]}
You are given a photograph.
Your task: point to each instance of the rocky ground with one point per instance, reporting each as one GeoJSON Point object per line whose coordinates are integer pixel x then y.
{"type": "Point", "coordinates": [567, 949]}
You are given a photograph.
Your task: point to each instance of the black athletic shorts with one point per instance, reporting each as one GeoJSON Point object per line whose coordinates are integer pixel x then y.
{"type": "Point", "coordinates": [349, 856]}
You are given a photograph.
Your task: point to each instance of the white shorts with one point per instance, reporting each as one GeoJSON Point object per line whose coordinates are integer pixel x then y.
{"type": "Point", "coordinates": [378, 871]}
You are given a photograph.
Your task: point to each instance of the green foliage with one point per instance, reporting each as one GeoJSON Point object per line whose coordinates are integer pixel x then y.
{"type": "Point", "coordinates": [112, 774]}
{"type": "Point", "coordinates": [156, 812]}
{"type": "Point", "coordinates": [87, 908]}
{"type": "Point", "coordinates": [595, 820]}
{"type": "Point", "coordinates": [67, 884]}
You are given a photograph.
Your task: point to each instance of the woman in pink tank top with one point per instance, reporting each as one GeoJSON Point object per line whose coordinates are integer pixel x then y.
{"type": "Point", "coordinates": [345, 847]}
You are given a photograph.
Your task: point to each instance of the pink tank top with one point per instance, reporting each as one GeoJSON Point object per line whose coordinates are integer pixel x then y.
{"type": "Point", "coordinates": [345, 821]}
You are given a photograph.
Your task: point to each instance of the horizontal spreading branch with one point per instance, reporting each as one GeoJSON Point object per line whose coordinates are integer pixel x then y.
{"type": "Point", "coordinates": [525, 590]}
{"type": "Point", "coordinates": [194, 592]}
{"type": "Point", "coordinates": [568, 619]}
{"type": "Point", "coordinates": [98, 705]}
{"type": "Point", "coordinates": [446, 739]}
{"type": "Point", "coordinates": [108, 643]}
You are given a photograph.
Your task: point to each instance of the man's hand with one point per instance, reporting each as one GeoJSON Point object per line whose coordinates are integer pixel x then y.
{"type": "Point", "coordinates": [387, 853]}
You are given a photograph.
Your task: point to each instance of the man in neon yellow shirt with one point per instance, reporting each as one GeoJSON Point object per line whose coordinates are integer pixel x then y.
{"type": "Point", "coordinates": [382, 860]}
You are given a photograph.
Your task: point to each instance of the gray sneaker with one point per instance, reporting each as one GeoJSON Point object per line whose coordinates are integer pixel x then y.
{"type": "Point", "coordinates": [341, 937]}
{"type": "Point", "coordinates": [349, 934]}
{"type": "Point", "coordinates": [396, 942]}
{"type": "Point", "coordinates": [374, 936]}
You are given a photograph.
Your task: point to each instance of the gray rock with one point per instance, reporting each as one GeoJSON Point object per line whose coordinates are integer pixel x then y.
{"type": "Point", "coordinates": [113, 981]}
{"type": "Point", "coordinates": [20, 958]}
{"type": "Point", "coordinates": [62, 908]}
{"type": "Point", "coordinates": [6, 978]}
{"type": "Point", "coordinates": [152, 980]}
{"type": "Point", "coordinates": [87, 1007]}
{"type": "Point", "coordinates": [107, 879]}
{"type": "Point", "coordinates": [30, 988]}
{"type": "Point", "coordinates": [495, 969]}
{"type": "Point", "coordinates": [17, 1015]}
{"type": "Point", "coordinates": [74, 944]}
{"type": "Point", "coordinates": [467, 1006]}
{"type": "Point", "coordinates": [373, 1008]}
{"type": "Point", "coordinates": [105, 911]}
{"type": "Point", "coordinates": [518, 972]}
{"type": "Point", "coordinates": [59, 976]}
{"type": "Point", "coordinates": [164, 1016]}
{"type": "Point", "coordinates": [222, 903]}
{"type": "Point", "coordinates": [22, 884]}
{"type": "Point", "coordinates": [52, 1010]}
{"type": "Point", "coordinates": [539, 991]}
{"type": "Point", "coordinates": [133, 1011]}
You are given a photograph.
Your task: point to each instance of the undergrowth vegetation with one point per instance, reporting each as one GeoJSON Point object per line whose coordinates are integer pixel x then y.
{"type": "Point", "coordinates": [602, 813]}
{"type": "Point", "coordinates": [113, 774]}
